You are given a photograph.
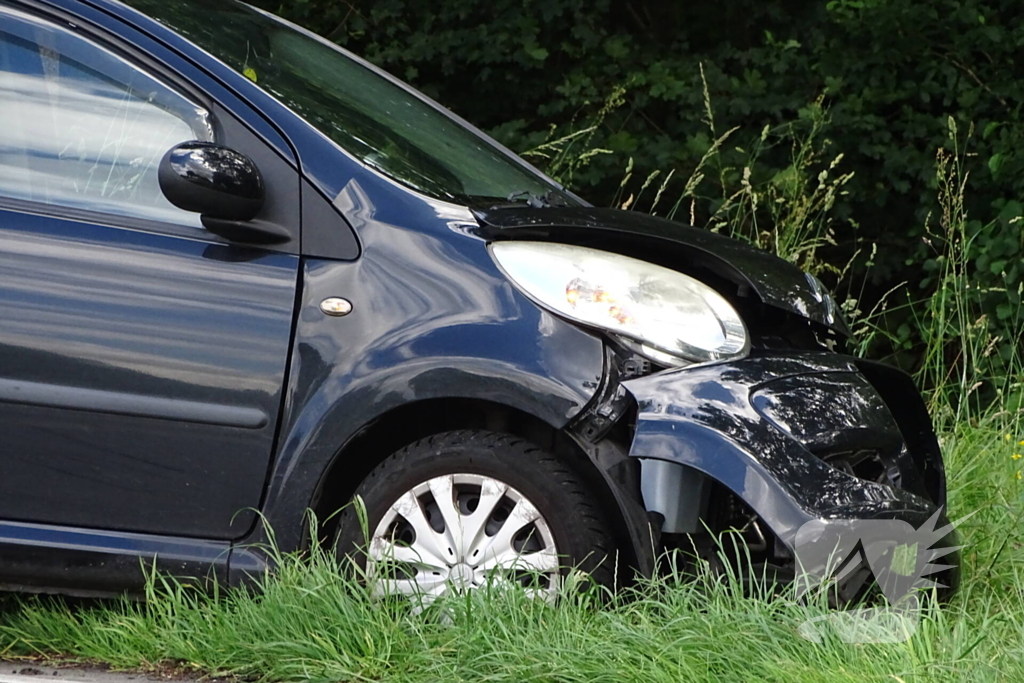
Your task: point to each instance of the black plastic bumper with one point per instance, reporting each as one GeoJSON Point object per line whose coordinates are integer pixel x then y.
{"type": "Point", "coordinates": [799, 438]}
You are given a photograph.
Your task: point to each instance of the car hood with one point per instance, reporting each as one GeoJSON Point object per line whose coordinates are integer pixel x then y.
{"type": "Point", "coordinates": [776, 282]}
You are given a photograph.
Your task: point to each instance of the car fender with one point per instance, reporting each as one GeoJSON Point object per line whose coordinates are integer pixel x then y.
{"type": "Point", "coordinates": [722, 420]}
{"type": "Point", "coordinates": [431, 317]}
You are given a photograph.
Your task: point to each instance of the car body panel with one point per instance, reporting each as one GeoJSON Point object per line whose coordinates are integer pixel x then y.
{"type": "Point", "coordinates": [432, 317]}
{"type": "Point", "coordinates": [733, 422]}
{"type": "Point", "coordinates": [89, 562]}
{"type": "Point", "coordinates": [127, 359]}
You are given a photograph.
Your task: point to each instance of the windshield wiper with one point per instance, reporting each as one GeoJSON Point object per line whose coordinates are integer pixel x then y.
{"type": "Point", "coordinates": [532, 200]}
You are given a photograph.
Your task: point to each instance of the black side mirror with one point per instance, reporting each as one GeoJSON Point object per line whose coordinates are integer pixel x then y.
{"type": "Point", "coordinates": [211, 180]}
{"type": "Point", "coordinates": [223, 186]}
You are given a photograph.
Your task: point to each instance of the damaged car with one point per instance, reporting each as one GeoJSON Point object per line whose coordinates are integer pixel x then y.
{"type": "Point", "coordinates": [246, 275]}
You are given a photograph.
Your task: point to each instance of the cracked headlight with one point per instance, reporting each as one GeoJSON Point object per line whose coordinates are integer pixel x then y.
{"type": "Point", "coordinates": [665, 311]}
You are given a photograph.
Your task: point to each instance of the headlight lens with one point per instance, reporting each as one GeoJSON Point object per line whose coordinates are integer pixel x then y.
{"type": "Point", "coordinates": [658, 307]}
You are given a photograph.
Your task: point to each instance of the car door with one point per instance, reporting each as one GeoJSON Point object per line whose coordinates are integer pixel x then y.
{"type": "Point", "coordinates": [142, 358]}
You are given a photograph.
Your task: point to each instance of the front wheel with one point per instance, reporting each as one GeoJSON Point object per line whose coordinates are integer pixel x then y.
{"type": "Point", "coordinates": [460, 510]}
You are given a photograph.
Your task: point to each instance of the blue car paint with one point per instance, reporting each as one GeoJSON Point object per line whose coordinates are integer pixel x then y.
{"type": "Point", "coordinates": [122, 364]}
{"type": "Point", "coordinates": [432, 318]}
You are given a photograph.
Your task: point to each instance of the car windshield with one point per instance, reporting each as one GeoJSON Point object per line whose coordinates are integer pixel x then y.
{"type": "Point", "coordinates": [380, 123]}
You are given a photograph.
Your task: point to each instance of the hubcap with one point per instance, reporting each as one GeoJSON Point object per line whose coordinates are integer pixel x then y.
{"type": "Point", "coordinates": [459, 532]}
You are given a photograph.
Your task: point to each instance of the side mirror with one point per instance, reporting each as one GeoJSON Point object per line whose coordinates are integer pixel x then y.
{"type": "Point", "coordinates": [214, 181]}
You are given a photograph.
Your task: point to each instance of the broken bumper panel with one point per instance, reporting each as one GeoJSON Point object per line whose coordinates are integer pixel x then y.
{"type": "Point", "coordinates": [814, 437]}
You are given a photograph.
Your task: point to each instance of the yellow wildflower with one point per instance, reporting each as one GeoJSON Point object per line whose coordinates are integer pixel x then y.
{"type": "Point", "coordinates": [1017, 456]}
{"type": "Point", "coordinates": [1019, 475]}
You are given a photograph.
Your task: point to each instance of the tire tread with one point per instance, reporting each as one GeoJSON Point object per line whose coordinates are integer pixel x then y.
{"type": "Point", "coordinates": [598, 539]}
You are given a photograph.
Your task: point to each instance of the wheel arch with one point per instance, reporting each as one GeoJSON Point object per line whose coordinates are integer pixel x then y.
{"type": "Point", "coordinates": [407, 423]}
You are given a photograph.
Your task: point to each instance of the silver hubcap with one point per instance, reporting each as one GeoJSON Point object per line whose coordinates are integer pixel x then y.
{"type": "Point", "coordinates": [459, 532]}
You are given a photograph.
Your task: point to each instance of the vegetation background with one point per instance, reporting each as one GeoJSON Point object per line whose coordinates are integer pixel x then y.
{"type": "Point", "coordinates": [876, 143]}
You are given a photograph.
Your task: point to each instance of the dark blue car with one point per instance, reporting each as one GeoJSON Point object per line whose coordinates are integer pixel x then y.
{"type": "Point", "coordinates": [245, 275]}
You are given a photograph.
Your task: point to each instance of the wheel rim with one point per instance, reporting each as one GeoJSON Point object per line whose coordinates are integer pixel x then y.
{"type": "Point", "coordinates": [460, 532]}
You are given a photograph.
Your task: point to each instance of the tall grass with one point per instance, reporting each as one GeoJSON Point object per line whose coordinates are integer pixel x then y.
{"type": "Point", "coordinates": [964, 362]}
{"type": "Point", "coordinates": [787, 212]}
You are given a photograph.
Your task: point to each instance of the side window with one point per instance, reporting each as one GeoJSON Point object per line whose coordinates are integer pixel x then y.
{"type": "Point", "coordinates": [81, 127]}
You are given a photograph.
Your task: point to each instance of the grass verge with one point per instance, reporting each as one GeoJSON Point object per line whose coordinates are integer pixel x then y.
{"type": "Point", "coordinates": [310, 624]}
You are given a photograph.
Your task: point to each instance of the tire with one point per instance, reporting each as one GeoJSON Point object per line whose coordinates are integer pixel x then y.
{"type": "Point", "coordinates": [404, 557]}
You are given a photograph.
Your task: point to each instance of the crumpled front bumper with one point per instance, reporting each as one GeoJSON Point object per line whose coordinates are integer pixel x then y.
{"type": "Point", "coordinates": [814, 437]}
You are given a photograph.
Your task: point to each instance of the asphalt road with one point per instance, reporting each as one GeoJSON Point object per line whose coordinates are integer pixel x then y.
{"type": "Point", "coordinates": [21, 672]}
